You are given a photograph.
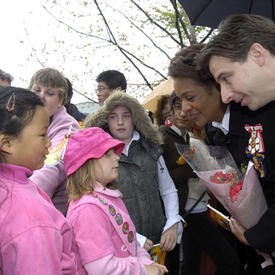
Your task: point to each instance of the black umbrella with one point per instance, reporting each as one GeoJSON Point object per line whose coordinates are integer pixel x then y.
{"type": "Point", "coordinates": [210, 12]}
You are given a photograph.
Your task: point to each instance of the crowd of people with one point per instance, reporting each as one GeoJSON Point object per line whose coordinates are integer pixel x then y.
{"type": "Point", "coordinates": [118, 188]}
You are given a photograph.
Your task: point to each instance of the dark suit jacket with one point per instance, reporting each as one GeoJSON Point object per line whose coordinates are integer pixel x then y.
{"type": "Point", "coordinates": [262, 235]}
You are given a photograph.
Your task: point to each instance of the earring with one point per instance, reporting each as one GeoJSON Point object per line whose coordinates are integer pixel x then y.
{"type": "Point", "coordinates": [168, 122]}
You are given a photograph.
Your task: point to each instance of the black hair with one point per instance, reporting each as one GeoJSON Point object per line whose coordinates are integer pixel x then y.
{"type": "Point", "coordinates": [69, 91]}
{"type": "Point", "coordinates": [6, 76]}
{"type": "Point", "coordinates": [114, 79]}
{"type": "Point", "coordinates": [17, 108]}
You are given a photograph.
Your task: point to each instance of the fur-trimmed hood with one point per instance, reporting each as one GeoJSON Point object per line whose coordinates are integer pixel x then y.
{"type": "Point", "coordinates": [141, 120]}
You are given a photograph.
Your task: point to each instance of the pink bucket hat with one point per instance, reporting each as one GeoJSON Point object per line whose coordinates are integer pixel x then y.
{"type": "Point", "coordinates": [89, 143]}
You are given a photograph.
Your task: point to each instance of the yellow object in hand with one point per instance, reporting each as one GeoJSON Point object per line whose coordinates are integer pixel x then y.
{"type": "Point", "coordinates": [189, 153]}
{"type": "Point", "coordinates": [181, 160]}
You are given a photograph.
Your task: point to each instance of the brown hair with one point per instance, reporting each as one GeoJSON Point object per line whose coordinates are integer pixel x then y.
{"type": "Point", "coordinates": [51, 78]}
{"type": "Point", "coordinates": [163, 110]}
{"type": "Point", "coordinates": [237, 33]}
{"type": "Point", "coordinates": [184, 64]}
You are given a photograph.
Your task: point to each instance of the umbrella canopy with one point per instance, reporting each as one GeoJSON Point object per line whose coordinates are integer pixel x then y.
{"type": "Point", "coordinates": [151, 101]}
{"type": "Point", "coordinates": [210, 12]}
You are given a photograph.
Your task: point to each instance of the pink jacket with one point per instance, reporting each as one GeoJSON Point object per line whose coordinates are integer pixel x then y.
{"type": "Point", "coordinates": [35, 238]}
{"type": "Point", "coordinates": [53, 180]}
{"type": "Point", "coordinates": [104, 235]}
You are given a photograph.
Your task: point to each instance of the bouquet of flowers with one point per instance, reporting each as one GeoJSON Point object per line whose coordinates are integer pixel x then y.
{"type": "Point", "coordinates": [223, 177]}
{"type": "Point", "coordinates": [240, 193]}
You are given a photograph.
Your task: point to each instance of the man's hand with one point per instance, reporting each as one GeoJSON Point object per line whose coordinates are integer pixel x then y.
{"type": "Point", "coordinates": [169, 238]}
{"type": "Point", "coordinates": [238, 230]}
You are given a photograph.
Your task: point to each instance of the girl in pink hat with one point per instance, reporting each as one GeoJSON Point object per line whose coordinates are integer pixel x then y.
{"type": "Point", "coordinates": [105, 236]}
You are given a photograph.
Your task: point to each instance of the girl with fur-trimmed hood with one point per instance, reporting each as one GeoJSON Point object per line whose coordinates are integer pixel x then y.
{"type": "Point", "coordinates": [148, 190]}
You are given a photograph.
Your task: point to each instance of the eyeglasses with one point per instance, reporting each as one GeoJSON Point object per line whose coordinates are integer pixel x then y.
{"type": "Point", "coordinates": [101, 89]}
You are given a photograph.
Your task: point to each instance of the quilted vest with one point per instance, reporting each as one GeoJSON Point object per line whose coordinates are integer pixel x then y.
{"type": "Point", "coordinates": [138, 182]}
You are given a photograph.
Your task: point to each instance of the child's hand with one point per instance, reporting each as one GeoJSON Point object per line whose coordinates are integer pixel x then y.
{"type": "Point", "coordinates": [169, 238]}
{"type": "Point", "coordinates": [148, 245]}
{"type": "Point", "coordinates": [156, 269]}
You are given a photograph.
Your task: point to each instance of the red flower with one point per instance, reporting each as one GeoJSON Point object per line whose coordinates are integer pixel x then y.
{"type": "Point", "coordinates": [235, 188]}
{"type": "Point", "coordinates": [220, 177]}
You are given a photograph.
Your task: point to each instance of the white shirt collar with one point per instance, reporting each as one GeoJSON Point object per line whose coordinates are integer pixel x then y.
{"type": "Point", "coordinates": [224, 125]}
{"type": "Point", "coordinates": [136, 136]}
{"type": "Point", "coordinates": [178, 131]}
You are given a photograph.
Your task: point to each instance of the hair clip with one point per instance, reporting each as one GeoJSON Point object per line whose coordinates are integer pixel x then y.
{"type": "Point", "coordinates": [11, 103]}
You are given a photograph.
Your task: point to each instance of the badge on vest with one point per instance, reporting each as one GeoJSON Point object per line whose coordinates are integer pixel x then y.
{"type": "Point", "coordinates": [255, 149]}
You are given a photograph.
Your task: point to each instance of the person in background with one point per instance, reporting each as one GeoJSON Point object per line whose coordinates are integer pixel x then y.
{"type": "Point", "coordinates": [241, 58]}
{"type": "Point", "coordinates": [70, 107]}
{"type": "Point", "coordinates": [164, 118]}
{"type": "Point", "coordinates": [5, 78]}
{"type": "Point", "coordinates": [105, 240]}
{"type": "Point", "coordinates": [50, 85]}
{"type": "Point", "coordinates": [200, 234]}
{"type": "Point", "coordinates": [147, 188]}
{"type": "Point", "coordinates": [107, 82]}
{"type": "Point", "coordinates": [35, 238]}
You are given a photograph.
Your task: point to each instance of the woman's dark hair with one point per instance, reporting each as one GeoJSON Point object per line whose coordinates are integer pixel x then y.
{"type": "Point", "coordinates": [185, 64]}
{"type": "Point", "coordinates": [17, 108]}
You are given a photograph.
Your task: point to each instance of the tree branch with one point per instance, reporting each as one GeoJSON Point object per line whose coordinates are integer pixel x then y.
{"type": "Point", "coordinates": [123, 51]}
{"type": "Point", "coordinates": [155, 23]}
{"type": "Point", "coordinates": [84, 95]}
{"type": "Point", "coordinates": [191, 36]}
{"type": "Point", "coordinates": [207, 35]}
{"type": "Point", "coordinates": [193, 39]}
{"type": "Point", "coordinates": [33, 50]}
{"type": "Point", "coordinates": [137, 27]}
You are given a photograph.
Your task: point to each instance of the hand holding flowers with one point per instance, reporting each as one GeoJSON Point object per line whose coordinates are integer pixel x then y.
{"type": "Point", "coordinates": [240, 194]}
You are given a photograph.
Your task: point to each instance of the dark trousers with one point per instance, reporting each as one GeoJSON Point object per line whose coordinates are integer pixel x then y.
{"type": "Point", "coordinates": [250, 261]}
{"type": "Point", "coordinates": [270, 270]}
{"type": "Point", "coordinates": [200, 234]}
{"type": "Point", "coordinates": [172, 261]}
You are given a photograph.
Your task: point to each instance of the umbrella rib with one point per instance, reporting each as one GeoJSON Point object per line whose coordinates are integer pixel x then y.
{"type": "Point", "coordinates": [272, 3]}
{"type": "Point", "coordinates": [250, 6]}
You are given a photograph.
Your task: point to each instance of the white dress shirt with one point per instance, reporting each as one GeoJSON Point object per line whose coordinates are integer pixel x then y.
{"type": "Point", "coordinates": [224, 125]}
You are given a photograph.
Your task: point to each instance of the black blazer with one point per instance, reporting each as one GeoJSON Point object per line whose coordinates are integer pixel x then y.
{"type": "Point", "coordinates": [262, 235]}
